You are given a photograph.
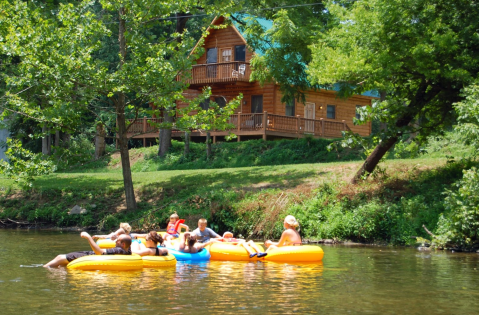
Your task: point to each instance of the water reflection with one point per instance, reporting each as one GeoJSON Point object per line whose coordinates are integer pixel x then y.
{"type": "Point", "coordinates": [350, 280]}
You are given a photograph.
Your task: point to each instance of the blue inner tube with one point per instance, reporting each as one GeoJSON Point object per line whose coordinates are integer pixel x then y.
{"type": "Point", "coordinates": [202, 255]}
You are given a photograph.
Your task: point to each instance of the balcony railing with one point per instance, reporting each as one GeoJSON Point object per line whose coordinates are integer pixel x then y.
{"type": "Point", "coordinates": [256, 124]}
{"type": "Point", "coordinates": [220, 72]}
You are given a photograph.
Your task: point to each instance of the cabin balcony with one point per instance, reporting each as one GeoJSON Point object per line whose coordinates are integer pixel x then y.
{"type": "Point", "coordinates": [259, 125]}
{"type": "Point", "coordinates": [222, 73]}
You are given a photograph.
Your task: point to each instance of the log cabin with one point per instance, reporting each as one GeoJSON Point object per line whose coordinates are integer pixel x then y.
{"type": "Point", "coordinates": [225, 67]}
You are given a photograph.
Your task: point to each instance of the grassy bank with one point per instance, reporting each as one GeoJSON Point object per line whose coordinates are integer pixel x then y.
{"type": "Point", "coordinates": [391, 206]}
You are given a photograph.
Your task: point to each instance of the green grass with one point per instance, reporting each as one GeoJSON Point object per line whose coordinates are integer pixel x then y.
{"type": "Point", "coordinates": [391, 206]}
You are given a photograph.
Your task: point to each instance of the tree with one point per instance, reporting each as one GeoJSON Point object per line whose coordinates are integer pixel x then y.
{"type": "Point", "coordinates": [58, 57]}
{"type": "Point", "coordinates": [194, 117]}
{"type": "Point", "coordinates": [421, 53]}
{"type": "Point", "coordinates": [283, 52]}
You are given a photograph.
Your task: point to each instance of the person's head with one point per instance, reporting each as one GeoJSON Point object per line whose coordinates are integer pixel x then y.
{"type": "Point", "coordinates": [154, 237]}
{"type": "Point", "coordinates": [227, 235]}
{"type": "Point", "coordinates": [290, 222]}
{"type": "Point", "coordinates": [202, 224]}
{"type": "Point", "coordinates": [124, 241]}
{"type": "Point", "coordinates": [191, 240]}
{"type": "Point", "coordinates": [126, 227]}
{"type": "Point", "coordinates": [174, 217]}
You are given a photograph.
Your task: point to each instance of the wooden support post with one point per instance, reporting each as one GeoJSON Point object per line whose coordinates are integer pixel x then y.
{"type": "Point", "coordinates": [265, 124]}
{"type": "Point", "coordinates": [214, 139]}
{"type": "Point", "coordinates": [344, 125]}
{"type": "Point", "coordinates": [144, 131]}
{"type": "Point", "coordinates": [238, 138]}
{"type": "Point", "coordinates": [297, 125]}
{"type": "Point", "coordinates": [322, 126]}
{"type": "Point", "coordinates": [239, 122]}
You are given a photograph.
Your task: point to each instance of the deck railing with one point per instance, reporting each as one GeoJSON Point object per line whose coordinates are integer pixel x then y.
{"type": "Point", "coordinates": [220, 72]}
{"type": "Point", "coordinates": [261, 123]}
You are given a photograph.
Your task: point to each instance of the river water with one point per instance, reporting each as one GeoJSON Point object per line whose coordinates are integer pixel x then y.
{"type": "Point", "coordinates": [351, 279]}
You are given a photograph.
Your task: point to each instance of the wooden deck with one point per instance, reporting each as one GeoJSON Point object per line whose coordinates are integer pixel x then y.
{"type": "Point", "coordinates": [219, 73]}
{"type": "Point", "coordinates": [260, 125]}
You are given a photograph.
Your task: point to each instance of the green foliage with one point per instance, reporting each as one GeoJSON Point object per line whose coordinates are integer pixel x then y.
{"type": "Point", "coordinates": [24, 165]}
{"type": "Point", "coordinates": [468, 115]}
{"type": "Point", "coordinates": [459, 226]}
{"type": "Point", "coordinates": [80, 150]}
{"type": "Point", "coordinates": [417, 53]}
{"type": "Point", "coordinates": [243, 154]}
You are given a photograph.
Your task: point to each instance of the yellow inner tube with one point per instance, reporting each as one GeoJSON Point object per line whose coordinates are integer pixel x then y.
{"type": "Point", "coordinates": [229, 252]}
{"type": "Point", "coordinates": [107, 262]}
{"type": "Point", "coordinates": [159, 261]}
{"type": "Point", "coordinates": [303, 253]}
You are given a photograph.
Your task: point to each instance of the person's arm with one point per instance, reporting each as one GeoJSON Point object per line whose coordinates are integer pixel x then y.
{"type": "Point", "coordinates": [117, 233]}
{"type": "Point", "coordinates": [94, 246]}
{"type": "Point", "coordinates": [213, 234]}
{"type": "Point", "coordinates": [142, 252]}
{"type": "Point", "coordinates": [103, 236]}
{"type": "Point", "coordinates": [284, 238]}
{"type": "Point", "coordinates": [281, 242]}
{"type": "Point", "coordinates": [135, 235]}
{"type": "Point", "coordinates": [184, 226]}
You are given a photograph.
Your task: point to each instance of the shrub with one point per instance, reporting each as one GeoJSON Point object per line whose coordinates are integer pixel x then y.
{"type": "Point", "coordinates": [460, 226]}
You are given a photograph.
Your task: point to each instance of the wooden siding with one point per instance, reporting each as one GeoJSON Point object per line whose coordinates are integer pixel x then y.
{"type": "Point", "coordinates": [345, 109]}
{"type": "Point", "coordinates": [248, 91]}
{"type": "Point", "coordinates": [224, 38]}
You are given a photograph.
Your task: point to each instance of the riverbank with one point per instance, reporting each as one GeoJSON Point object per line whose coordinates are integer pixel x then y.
{"type": "Point", "coordinates": [390, 207]}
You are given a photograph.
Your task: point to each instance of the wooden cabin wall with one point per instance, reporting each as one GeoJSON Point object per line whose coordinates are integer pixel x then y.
{"type": "Point", "coordinates": [345, 109]}
{"type": "Point", "coordinates": [224, 38]}
{"type": "Point", "coordinates": [230, 92]}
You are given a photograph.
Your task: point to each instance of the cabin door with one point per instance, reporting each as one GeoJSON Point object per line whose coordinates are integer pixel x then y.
{"type": "Point", "coordinates": [211, 57]}
{"type": "Point", "coordinates": [226, 67]}
{"type": "Point", "coordinates": [309, 115]}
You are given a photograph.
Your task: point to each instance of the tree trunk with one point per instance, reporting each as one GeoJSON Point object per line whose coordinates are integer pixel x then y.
{"type": "Point", "coordinates": [66, 140]}
{"type": "Point", "coordinates": [187, 144]}
{"type": "Point", "coordinates": [208, 145]}
{"type": "Point", "coordinates": [422, 97]}
{"type": "Point", "coordinates": [57, 138]}
{"type": "Point", "coordinates": [165, 134]}
{"type": "Point", "coordinates": [46, 141]}
{"type": "Point", "coordinates": [383, 127]}
{"type": "Point", "coordinates": [121, 120]}
{"type": "Point", "coordinates": [100, 141]}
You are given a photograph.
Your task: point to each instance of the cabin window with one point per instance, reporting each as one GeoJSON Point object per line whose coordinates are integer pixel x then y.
{"type": "Point", "coordinates": [257, 103]}
{"type": "Point", "coordinates": [331, 112]}
{"type": "Point", "coordinates": [225, 55]}
{"type": "Point", "coordinates": [212, 55]}
{"type": "Point", "coordinates": [205, 104]}
{"type": "Point", "coordinates": [240, 53]}
{"type": "Point", "coordinates": [290, 108]}
{"type": "Point", "coordinates": [221, 101]}
{"type": "Point", "coordinates": [358, 108]}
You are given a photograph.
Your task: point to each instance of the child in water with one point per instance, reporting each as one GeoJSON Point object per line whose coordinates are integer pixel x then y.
{"type": "Point", "coordinates": [174, 227]}
{"type": "Point", "coordinates": [250, 246]}
{"type": "Point", "coordinates": [290, 236]}
{"type": "Point", "coordinates": [125, 228]}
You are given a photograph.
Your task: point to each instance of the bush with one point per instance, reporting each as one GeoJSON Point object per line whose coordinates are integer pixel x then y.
{"type": "Point", "coordinates": [460, 226]}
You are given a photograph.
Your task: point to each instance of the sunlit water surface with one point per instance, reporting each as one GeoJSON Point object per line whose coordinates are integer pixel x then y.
{"type": "Point", "coordinates": [351, 279]}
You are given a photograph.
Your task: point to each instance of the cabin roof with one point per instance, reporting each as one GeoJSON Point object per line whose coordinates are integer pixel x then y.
{"type": "Point", "coordinates": [266, 25]}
